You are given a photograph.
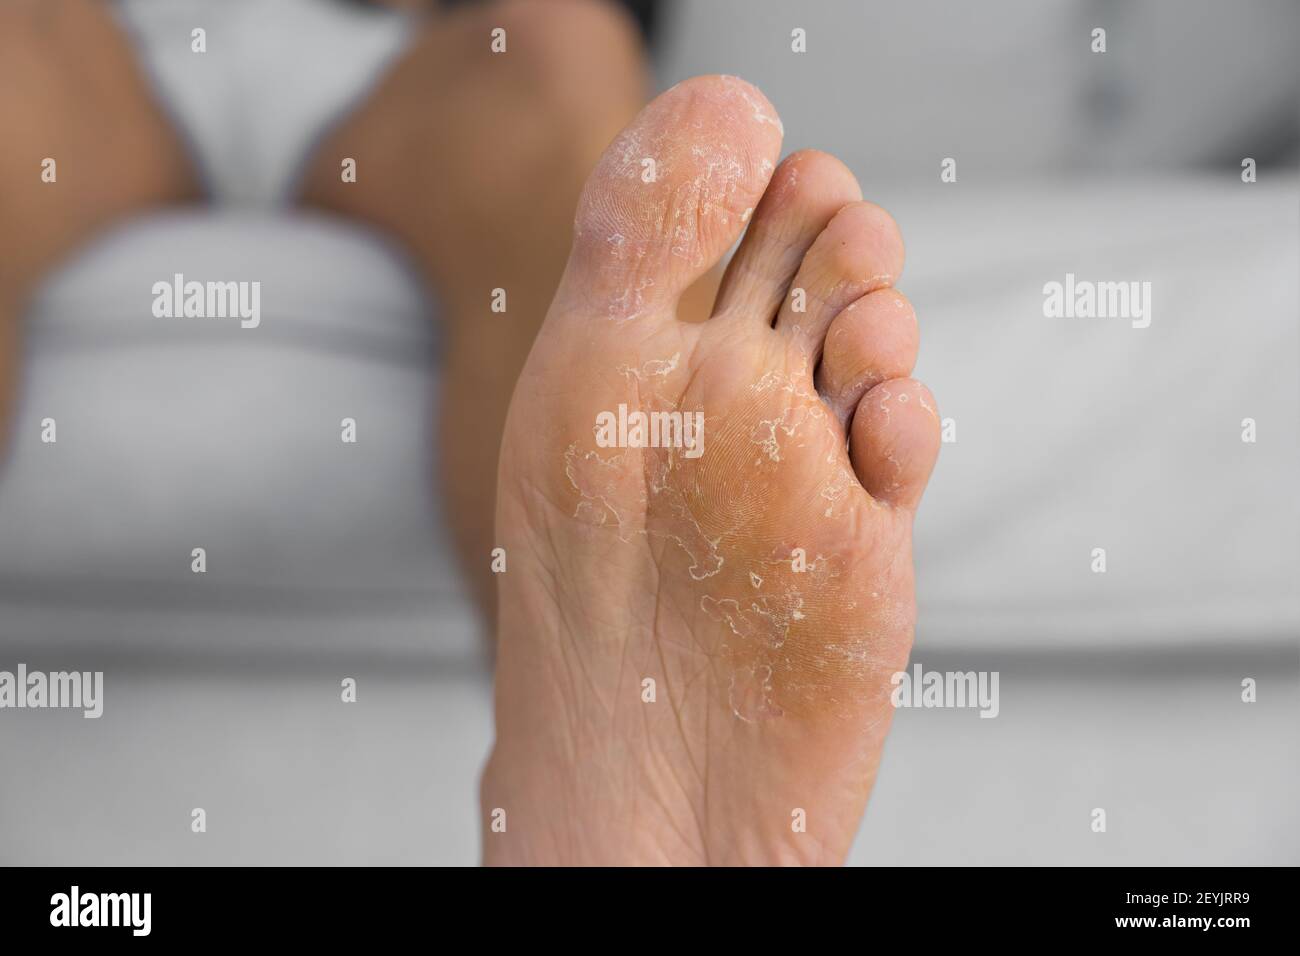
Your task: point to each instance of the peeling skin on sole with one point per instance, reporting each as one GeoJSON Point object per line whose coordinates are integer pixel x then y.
{"type": "Point", "coordinates": [837, 490]}
{"type": "Point", "coordinates": [631, 304]}
{"type": "Point", "coordinates": [757, 627]}
{"type": "Point", "coordinates": [755, 620]}
{"type": "Point", "coordinates": [609, 490]}
{"type": "Point", "coordinates": [818, 568]}
{"type": "Point", "coordinates": [654, 368]}
{"type": "Point", "coordinates": [705, 557]}
{"type": "Point", "coordinates": [774, 380]}
{"type": "Point", "coordinates": [755, 633]}
{"type": "Point", "coordinates": [601, 484]}
{"type": "Point", "coordinates": [763, 681]}
{"type": "Point", "coordinates": [765, 622]}
{"type": "Point", "coordinates": [750, 694]}
{"type": "Point", "coordinates": [764, 433]}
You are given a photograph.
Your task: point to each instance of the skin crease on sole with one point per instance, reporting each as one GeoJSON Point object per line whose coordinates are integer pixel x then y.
{"type": "Point", "coordinates": [695, 644]}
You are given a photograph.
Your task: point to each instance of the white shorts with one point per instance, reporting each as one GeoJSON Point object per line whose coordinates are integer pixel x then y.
{"type": "Point", "coordinates": [275, 74]}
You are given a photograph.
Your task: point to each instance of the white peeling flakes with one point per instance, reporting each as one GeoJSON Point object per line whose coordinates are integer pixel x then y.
{"type": "Point", "coordinates": [653, 368]}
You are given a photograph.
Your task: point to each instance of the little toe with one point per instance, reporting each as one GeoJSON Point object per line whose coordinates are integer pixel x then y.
{"type": "Point", "coordinates": [895, 441]}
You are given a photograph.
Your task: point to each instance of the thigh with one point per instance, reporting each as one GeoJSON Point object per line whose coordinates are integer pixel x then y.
{"type": "Point", "coordinates": [84, 144]}
{"type": "Point", "coordinates": [84, 140]}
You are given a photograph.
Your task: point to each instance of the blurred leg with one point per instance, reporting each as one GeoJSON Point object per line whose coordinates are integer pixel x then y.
{"type": "Point", "coordinates": [475, 160]}
{"type": "Point", "coordinates": [83, 145]}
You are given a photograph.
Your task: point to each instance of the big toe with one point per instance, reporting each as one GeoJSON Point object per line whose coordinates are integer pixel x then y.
{"type": "Point", "coordinates": [670, 195]}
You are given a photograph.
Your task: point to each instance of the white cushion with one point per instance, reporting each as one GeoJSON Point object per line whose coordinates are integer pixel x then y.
{"type": "Point", "coordinates": [174, 434]}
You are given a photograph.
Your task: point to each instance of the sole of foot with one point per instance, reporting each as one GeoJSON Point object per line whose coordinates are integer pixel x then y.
{"type": "Point", "coordinates": [707, 525]}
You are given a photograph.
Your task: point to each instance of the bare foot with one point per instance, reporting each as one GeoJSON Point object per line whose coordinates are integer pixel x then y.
{"type": "Point", "coordinates": [759, 573]}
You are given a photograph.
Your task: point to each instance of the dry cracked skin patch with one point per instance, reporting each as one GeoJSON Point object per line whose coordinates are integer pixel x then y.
{"type": "Point", "coordinates": [782, 655]}
{"type": "Point", "coordinates": [652, 368]}
{"type": "Point", "coordinates": [636, 483]}
{"type": "Point", "coordinates": [776, 453]}
{"type": "Point", "coordinates": [758, 630]}
{"type": "Point", "coordinates": [678, 188]}
{"type": "Point", "coordinates": [750, 598]}
{"type": "Point", "coordinates": [654, 193]}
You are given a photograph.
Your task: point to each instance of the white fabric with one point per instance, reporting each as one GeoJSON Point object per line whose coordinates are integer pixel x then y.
{"type": "Point", "coordinates": [289, 776]}
{"type": "Point", "coordinates": [176, 433]}
{"type": "Point", "coordinates": [274, 75]}
{"type": "Point", "coordinates": [894, 86]}
{"type": "Point", "coordinates": [1074, 434]}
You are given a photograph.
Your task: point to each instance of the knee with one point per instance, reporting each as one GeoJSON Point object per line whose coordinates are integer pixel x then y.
{"type": "Point", "coordinates": [572, 58]}
{"type": "Point", "coordinates": [45, 27]}
{"type": "Point", "coordinates": [41, 39]}
{"type": "Point", "coordinates": [547, 34]}
{"type": "Point", "coordinates": [21, 31]}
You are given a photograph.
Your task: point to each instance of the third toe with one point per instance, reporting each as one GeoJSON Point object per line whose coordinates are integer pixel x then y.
{"type": "Point", "coordinates": [858, 252]}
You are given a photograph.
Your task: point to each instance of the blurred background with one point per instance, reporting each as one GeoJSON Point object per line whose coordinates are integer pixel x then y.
{"type": "Point", "coordinates": [1119, 690]}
